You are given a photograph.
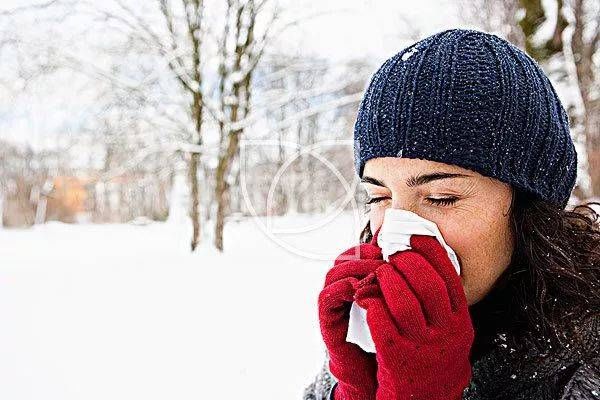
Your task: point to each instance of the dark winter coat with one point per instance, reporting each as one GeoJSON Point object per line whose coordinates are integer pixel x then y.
{"type": "Point", "coordinates": [503, 372]}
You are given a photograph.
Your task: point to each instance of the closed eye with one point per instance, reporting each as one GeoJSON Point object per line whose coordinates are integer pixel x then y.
{"type": "Point", "coordinates": [376, 199]}
{"type": "Point", "coordinates": [445, 201]}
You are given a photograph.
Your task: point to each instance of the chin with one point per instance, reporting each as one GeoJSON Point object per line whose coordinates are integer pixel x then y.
{"type": "Point", "coordinates": [473, 297]}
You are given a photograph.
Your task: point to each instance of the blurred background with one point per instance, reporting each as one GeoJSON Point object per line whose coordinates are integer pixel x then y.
{"type": "Point", "coordinates": [177, 175]}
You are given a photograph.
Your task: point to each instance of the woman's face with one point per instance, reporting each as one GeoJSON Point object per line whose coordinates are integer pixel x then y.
{"type": "Point", "coordinates": [470, 210]}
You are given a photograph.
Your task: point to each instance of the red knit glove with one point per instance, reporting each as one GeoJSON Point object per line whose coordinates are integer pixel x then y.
{"type": "Point", "coordinates": [419, 320]}
{"type": "Point", "coordinates": [354, 368]}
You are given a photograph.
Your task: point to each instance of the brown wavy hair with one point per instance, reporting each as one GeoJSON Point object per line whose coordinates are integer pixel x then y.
{"type": "Point", "coordinates": [553, 278]}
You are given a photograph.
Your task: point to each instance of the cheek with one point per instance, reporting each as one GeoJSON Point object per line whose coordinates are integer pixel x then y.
{"type": "Point", "coordinates": [483, 251]}
{"type": "Point", "coordinates": [464, 240]}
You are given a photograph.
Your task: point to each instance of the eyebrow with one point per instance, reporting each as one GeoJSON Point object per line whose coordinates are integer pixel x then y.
{"type": "Point", "coordinates": [418, 180]}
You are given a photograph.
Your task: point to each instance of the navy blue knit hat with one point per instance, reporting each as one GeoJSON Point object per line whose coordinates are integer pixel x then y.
{"type": "Point", "coordinates": [471, 99]}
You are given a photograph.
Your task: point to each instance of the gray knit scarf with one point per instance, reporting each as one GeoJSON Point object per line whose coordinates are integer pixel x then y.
{"type": "Point", "coordinates": [506, 372]}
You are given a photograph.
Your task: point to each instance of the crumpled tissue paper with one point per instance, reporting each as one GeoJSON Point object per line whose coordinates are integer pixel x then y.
{"type": "Point", "coordinates": [394, 236]}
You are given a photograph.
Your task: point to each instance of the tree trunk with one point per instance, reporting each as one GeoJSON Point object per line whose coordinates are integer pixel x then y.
{"type": "Point", "coordinates": [1, 207]}
{"type": "Point", "coordinates": [194, 199]}
{"type": "Point", "coordinates": [221, 187]}
{"type": "Point", "coordinates": [583, 53]}
{"type": "Point", "coordinates": [592, 140]}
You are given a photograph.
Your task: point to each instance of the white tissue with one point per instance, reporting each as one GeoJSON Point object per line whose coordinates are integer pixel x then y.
{"type": "Point", "coordinates": [394, 236]}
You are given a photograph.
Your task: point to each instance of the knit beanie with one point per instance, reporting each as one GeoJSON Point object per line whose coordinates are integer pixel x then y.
{"type": "Point", "coordinates": [471, 99]}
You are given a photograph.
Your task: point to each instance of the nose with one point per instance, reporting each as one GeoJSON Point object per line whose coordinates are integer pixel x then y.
{"type": "Point", "coordinates": [403, 202]}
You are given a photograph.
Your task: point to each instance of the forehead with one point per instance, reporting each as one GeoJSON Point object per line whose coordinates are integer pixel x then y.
{"type": "Point", "coordinates": [399, 167]}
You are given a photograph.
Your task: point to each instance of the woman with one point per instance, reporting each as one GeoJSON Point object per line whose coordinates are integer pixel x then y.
{"type": "Point", "coordinates": [465, 130]}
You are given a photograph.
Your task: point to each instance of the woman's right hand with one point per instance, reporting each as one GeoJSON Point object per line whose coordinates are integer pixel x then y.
{"type": "Point", "coordinates": [354, 368]}
{"type": "Point", "coordinates": [418, 315]}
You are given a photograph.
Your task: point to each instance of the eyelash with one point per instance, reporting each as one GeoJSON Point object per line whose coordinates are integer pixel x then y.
{"type": "Point", "coordinates": [438, 202]}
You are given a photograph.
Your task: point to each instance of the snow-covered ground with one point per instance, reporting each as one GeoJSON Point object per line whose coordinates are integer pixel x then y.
{"type": "Point", "coordinates": [126, 312]}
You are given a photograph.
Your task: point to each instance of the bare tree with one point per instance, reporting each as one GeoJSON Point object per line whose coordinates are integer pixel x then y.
{"type": "Point", "coordinates": [185, 81]}
{"type": "Point", "coordinates": [177, 43]}
{"type": "Point", "coordinates": [240, 51]}
{"type": "Point", "coordinates": [585, 43]}
{"type": "Point", "coordinates": [194, 10]}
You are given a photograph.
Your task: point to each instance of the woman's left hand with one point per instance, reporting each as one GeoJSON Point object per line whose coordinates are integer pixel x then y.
{"type": "Point", "coordinates": [419, 320]}
{"type": "Point", "coordinates": [354, 368]}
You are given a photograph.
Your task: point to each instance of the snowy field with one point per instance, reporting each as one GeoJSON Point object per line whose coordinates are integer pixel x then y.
{"type": "Point", "coordinates": [126, 312]}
